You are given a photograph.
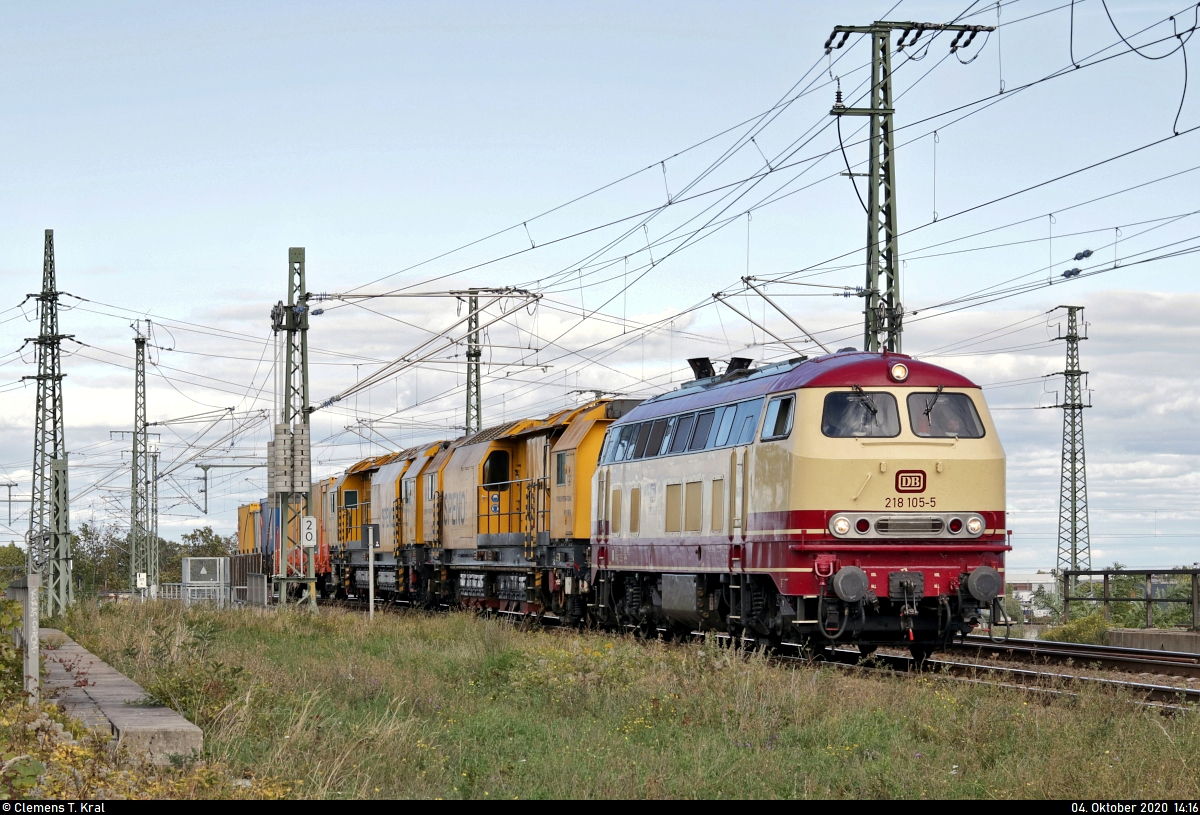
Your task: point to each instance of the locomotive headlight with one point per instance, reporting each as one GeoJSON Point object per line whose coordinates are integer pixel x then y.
{"type": "Point", "coordinates": [841, 525]}
{"type": "Point", "coordinates": [899, 372]}
{"type": "Point", "coordinates": [974, 526]}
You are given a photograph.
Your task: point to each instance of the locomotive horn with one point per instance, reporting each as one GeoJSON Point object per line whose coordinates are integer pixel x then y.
{"type": "Point", "coordinates": [850, 584]}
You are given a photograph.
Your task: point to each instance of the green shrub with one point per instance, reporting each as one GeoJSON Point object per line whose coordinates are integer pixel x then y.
{"type": "Point", "coordinates": [1090, 630]}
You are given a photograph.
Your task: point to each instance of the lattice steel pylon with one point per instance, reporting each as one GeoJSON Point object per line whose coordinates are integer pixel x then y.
{"type": "Point", "coordinates": [139, 496]}
{"type": "Point", "coordinates": [49, 540]}
{"type": "Point", "coordinates": [1074, 545]}
{"type": "Point", "coordinates": [152, 551]}
{"type": "Point", "coordinates": [289, 459]}
{"type": "Point", "coordinates": [883, 313]}
{"type": "Point", "coordinates": [474, 412]}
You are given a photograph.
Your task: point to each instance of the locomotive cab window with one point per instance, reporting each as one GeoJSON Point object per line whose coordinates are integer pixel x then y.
{"type": "Point", "coordinates": [778, 423]}
{"type": "Point", "coordinates": [349, 498]}
{"type": "Point", "coordinates": [495, 470]}
{"type": "Point", "coordinates": [560, 469]}
{"type": "Point", "coordinates": [859, 414]}
{"type": "Point", "coordinates": [944, 415]}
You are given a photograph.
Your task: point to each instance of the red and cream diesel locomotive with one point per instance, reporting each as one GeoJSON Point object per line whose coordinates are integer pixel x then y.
{"type": "Point", "coordinates": [855, 497]}
{"type": "Point", "coordinates": [851, 498]}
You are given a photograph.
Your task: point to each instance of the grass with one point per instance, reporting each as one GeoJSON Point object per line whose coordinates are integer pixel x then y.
{"type": "Point", "coordinates": [455, 706]}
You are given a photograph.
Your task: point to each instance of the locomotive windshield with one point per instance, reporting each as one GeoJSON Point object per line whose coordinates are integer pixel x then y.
{"type": "Point", "coordinates": [858, 414]}
{"type": "Point", "coordinates": [944, 415]}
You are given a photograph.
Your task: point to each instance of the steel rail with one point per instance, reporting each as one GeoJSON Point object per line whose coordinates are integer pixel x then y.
{"type": "Point", "coordinates": [1170, 663]}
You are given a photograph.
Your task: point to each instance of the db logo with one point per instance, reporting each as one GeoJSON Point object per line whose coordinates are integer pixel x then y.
{"type": "Point", "coordinates": [910, 481]}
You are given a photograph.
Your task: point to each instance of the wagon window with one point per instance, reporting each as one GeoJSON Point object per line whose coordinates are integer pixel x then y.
{"type": "Point", "coordinates": [944, 415]}
{"type": "Point", "coordinates": [858, 414]}
{"type": "Point", "coordinates": [778, 423]}
{"type": "Point", "coordinates": [349, 498]}
{"type": "Point", "coordinates": [495, 470]}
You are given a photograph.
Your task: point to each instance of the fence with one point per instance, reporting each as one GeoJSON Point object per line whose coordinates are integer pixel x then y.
{"type": "Point", "coordinates": [241, 567]}
{"type": "Point", "coordinates": [25, 590]}
{"type": "Point", "coordinates": [257, 590]}
{"type": "Point", "coordinates": [1147, 596]}
{"type": "Point", "coordinates": [194, 594]}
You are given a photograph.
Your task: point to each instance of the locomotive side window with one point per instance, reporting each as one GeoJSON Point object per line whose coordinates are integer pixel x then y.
{"type": "Point", "coordinates": [657, 431]}
{"type": "Point", "coordinates": [349, 498]}
{"type": "Point", "coordinates": [703, 425]}
{"type": "Point", "coordinates": [606, 450]}
{"type": "Point", "coordinates": [725, 426]}
{"type": "Point", "coordinates": [683, 431]}
{"type": "Point", "coordinates": [778, 423]}
{"type": "Point", "coordinates": [745, 421]}
{"type": "Point", "coordinates": [857, 414]}
{"type": "Point", "coordinates": [624, 440]}
{"type": "Point", "coordinates": [944, 415]}
{"type": "Point", "coordinates": [560, 469]}
{"type": "Point", "coordinates": [667, 435]}
{"type": "Point", "coordinates": [643, 438]}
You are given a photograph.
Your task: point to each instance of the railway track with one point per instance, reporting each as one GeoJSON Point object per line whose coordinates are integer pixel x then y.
{"type": "Point", "coordinates": [1107, 657]}
{"type": "Point", "coordinates": [1041, 681]}
{"type": "Point", "coordinates": [1023, 678]}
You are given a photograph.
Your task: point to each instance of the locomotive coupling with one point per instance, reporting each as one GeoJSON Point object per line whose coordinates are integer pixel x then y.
{"type": "Point", "coordinates": [984, 584]}
{"type": "Point", "coordinates": [850, 584]}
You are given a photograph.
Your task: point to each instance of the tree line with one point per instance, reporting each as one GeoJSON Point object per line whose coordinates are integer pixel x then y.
{"type": "Point", "coordinates": [101, 557]}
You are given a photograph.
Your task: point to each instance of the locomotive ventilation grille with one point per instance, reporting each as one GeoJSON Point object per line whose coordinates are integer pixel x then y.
{"type": "Point", "coordinates": [910, 526]}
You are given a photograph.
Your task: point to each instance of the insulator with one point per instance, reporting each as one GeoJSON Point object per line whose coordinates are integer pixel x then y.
{"type": "Point", "coordinates": [1086, 253]}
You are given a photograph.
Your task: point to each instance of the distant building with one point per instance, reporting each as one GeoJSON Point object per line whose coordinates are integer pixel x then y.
{"type": "Point", "coordinates": [1024, 587]}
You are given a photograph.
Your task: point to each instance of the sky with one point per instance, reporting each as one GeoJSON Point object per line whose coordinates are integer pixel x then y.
{"type": "Point", "coordinates": [597, 155]}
